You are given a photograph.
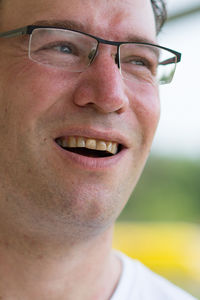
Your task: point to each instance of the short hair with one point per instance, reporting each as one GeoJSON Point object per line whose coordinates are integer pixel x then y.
{"type": "Point", "coordinates": [160, 13]}
{"type": "Point", "coordinates": [159, 9]}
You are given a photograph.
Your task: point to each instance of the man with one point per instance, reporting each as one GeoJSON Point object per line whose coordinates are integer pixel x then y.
{"type": "Point", "coordinates": [78, 113]}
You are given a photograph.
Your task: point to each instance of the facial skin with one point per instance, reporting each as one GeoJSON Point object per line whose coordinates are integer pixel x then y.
{"type": "Point", "coordinates": [48, 200]}
{"type": "Point", "coordinates": [41, 189]}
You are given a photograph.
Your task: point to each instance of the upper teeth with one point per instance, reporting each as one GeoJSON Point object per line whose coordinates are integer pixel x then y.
{"type": "Point", "coordinates": [89, 143]}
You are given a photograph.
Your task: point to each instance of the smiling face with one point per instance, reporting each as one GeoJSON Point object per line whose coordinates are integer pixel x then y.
{"type": "Point", "coordinates": [44, 109]}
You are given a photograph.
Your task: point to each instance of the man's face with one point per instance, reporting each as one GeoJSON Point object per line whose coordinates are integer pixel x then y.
{"type": "Point", "coordinates": [39, 104]}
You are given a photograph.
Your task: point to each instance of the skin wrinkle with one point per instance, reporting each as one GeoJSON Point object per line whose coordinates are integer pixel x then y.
{"type": "Point", "coordinates": [40, 87]}
{"type": "Point", "coordinates": [56, 217]}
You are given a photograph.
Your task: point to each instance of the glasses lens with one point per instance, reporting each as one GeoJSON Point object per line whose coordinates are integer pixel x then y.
{"type": "Point", "coordinates": [62, 48]}
{"type": "Point", "coordinates": [146, 63]}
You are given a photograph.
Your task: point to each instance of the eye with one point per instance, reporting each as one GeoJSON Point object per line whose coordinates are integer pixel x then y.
{"type": "Point", "coordinates": [142, 63]}
{"type": "Point", "coordinates": [63, 49]}
{"type": "Point", "coordinates": [139, 61]}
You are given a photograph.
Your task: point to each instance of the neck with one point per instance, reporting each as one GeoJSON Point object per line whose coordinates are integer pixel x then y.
{"type": "Point", "coordinates": [58, 271]}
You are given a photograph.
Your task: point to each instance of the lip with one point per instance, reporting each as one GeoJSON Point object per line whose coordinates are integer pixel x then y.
{"type": "Point", "coordinates": [92, 163]}
{"type": "Point", "coordinates": [108, 135]}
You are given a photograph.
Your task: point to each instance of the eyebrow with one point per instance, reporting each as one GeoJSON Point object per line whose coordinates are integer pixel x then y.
{"type": "Point", "coordinates": [76, 25]}
{"type": "Point", "coordinates": [68, 24]}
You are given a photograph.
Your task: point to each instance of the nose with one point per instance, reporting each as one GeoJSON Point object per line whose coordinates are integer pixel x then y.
{"type": "Point", "coordinates": [102, 87]}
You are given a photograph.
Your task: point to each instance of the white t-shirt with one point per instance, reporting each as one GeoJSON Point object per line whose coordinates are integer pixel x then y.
{"type": "Point", "coordinates": [137, 282]}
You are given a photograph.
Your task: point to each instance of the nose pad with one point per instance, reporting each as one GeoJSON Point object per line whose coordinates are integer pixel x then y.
{"type": "Point", "coordinates": [92, 54]}
{"type": "Point", "coordinates": [116, 58]}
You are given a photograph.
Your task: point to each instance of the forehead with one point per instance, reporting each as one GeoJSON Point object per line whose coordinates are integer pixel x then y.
{"type": "Point", "coordinates": [110, 19]}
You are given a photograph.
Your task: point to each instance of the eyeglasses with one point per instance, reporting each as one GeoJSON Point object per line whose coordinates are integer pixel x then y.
{"type": "Point", "coordinates": [75, 51]}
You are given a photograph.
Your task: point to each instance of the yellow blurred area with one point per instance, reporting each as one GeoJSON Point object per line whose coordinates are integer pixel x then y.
{"type": "Point", "coordinates": [170, 249]}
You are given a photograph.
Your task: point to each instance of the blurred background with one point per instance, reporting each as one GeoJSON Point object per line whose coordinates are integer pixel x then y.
{"type": "Point", "coordinates": [160, 225]}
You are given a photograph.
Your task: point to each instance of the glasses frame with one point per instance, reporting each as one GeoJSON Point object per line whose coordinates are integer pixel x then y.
{"type": "Point", "coordinates": [30, 28]}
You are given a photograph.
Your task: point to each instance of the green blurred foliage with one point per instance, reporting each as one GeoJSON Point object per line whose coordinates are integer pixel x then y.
{"type": "Point", "coordinates": [168, 190]}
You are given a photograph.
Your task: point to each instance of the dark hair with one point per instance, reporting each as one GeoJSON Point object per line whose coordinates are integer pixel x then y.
{"type": "Point", "coordinates": [160, 13]}
{"type": "Point", "coordinates": [159, 9]}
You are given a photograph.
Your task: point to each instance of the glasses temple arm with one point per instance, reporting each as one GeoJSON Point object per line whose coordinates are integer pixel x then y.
{"type": "Point", "coordinates": [168, 61]}
{"type": "Point", "coordinates": [13, 33]}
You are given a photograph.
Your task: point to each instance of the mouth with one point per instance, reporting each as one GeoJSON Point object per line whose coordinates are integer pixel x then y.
{"type": "Point", "coordinates": [89, 147]}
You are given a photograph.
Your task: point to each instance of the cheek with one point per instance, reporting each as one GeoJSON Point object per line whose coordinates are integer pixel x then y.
{"type": "Point", "coordinates": [36, 88]}
{"type": "Point", "coordinates": [145, 104]}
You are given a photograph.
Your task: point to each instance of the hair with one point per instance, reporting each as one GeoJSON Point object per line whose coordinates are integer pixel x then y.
{"type": "Point", "coordinates": [159, 9]}
{"type": "Point", "coordinates": [160, 13]}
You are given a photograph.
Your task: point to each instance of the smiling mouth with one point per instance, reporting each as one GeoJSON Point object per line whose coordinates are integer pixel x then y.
{"type": "Point", "coordinates": [89, 147]}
